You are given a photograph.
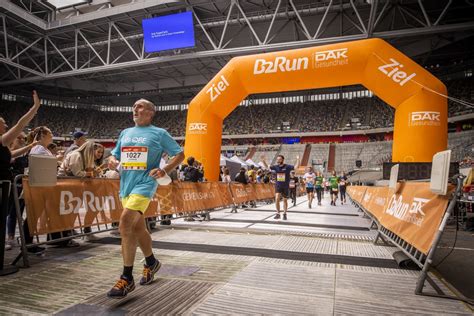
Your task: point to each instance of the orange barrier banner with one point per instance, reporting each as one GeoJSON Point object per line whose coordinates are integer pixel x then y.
{"type": "Point", "coordinates": [377, 201]}
{"type": "Point", "coordinates": [369, 193]}
{"type": "Point", "coordinates": [357, 193]}
{"type": "Point", "coordinates": [75, 203]}
{"type": "Point", "coordinates": [191, 197]}
{"type": "Point", "coordinates": [72, 203]}
{"type": "Point", "coordinates": [414, 214]}
{"type": "Point", "coordinates": [264, 191]}
{"type": "Point", "coordinates": [243, 192]}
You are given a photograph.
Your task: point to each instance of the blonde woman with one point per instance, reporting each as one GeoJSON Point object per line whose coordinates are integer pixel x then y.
{"type": "Point", "coordinates": [82, 161]}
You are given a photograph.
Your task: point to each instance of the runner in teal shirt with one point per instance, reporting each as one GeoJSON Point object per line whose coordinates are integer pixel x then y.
{"type": "Point", "coordinates": [133, 142]}
{"type": "Point", "coordinates": [139, 151]}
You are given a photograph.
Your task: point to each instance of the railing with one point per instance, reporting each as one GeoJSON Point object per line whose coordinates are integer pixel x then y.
{"type": "Point", "coordinates": [93, 205]}
{"type": "Point", "coordinates": [422, 259]}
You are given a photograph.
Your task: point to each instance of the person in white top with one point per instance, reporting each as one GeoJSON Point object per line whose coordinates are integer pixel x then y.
{"type": "Point", "coordinates": [309, 180]}
{"type": "Point", "coordinates": [226, 176]}
{"type": "Point", "coordinates": [43, 136]}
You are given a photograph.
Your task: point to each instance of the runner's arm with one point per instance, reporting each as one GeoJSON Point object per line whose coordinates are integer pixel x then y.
{"type": "Point", "coordinates": [174, 162]}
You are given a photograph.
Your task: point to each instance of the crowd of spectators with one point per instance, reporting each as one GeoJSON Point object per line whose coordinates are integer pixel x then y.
{"type": "Point", "coordinates": [309, 116]}
{"type": "Point", "coordinates": [462, 89]}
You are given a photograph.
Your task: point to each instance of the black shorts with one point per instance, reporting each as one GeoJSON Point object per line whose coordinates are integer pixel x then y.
{"type": "Point", "coordinates": [283, 191]}
{"type": "Point", "coordinates": [309, 190]}
{"type": "Point", "coordinates": [334, 191]}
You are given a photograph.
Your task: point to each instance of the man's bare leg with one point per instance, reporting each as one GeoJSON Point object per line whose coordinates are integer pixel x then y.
{"type": "Point", "coordinates": [143, 238]}
{"type": "Point", "coordinates": [128, 220]}
{"type": "Point", "coordinates": [152, 265]}
{"type": "Point", "coordinates": [277, 202]}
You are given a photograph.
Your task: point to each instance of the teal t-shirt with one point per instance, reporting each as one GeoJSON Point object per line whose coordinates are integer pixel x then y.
{"type": "Point", "coordinates": [139, 150]}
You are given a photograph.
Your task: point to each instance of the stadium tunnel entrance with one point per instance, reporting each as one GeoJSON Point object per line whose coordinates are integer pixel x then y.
{"type": "Point", "coordinates": [420, 128]}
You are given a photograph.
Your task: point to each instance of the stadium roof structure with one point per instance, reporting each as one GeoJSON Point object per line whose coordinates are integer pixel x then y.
{"type": "Point", "coordinates": [93, 49]}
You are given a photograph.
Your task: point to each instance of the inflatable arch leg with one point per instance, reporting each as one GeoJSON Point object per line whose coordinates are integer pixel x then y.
{"type": "Point", "coordinates": [420, 112]}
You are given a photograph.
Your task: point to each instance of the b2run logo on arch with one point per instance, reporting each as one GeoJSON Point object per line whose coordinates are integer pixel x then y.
{"type": "Point", "coordinates": [279, 64]}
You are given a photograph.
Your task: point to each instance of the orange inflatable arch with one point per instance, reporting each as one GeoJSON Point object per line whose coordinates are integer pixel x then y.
{"type": "Point", "coordinates": [420, 108]}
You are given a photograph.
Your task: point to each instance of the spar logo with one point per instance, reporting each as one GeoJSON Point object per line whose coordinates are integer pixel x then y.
{"type": "Point", "coordinates": [411, 213]}
{"type": "Point", "coordinates": [367, 197]}
{"type": "Point", "coordinates": [198, 196]}
{"type": "Point", "coordinates": [279, 64]}
{"type": "Point", "coordinates": [394, 71]}
{"type": "Point", "coordinates": [241, 192]}
{"type": "Point", "coordinates": [88, 202]}
{"type": "Point", "coordinates": [380, 201]}
{"type": "Point", "coordinates": [425, 118]}
{"type": "Point", "coordinates": [197, 128]}
{"type": "Point", "coordinates": [217, 88]}
{"type": "Point", "coordinates": [329, 58]}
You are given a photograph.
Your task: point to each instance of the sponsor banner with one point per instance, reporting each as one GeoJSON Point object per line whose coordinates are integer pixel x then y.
{"type": "Point", "coordinates": [377, 201]}
{"type": "Point", "coordinates": [191, 197]}
{"type": "Point", "coordinates": [414, 214]}
{"type": "Point", "coordinates": [357, 193]}
{"type": "Point", "coordinates": [75, 203]}
{"type": "Point", "coordinates": [264, 191]}
{"type": "Point", "coordinates": [243, 192]}
{"type": "Point", "coordinates": [163, 202]}
{"type": "Point", "coordinates": [369, 193]}
{"type": "Point", "coordinates": [72, 203]}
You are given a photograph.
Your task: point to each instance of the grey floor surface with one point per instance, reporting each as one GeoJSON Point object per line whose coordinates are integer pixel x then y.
{"type": "Point", "coordinates": [238, 276]}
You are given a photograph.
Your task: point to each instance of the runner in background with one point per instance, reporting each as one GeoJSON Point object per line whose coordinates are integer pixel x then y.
{"type": "Point", "coordinates": [282, 183]}
{"type": "Point", "coordinates": [342, 187]}
{"type": "Point", "coordinates": [294, 181]}
{"type": "Point", "coordinates": [309, 180]}
{"type": "Point", "coordinates": [333, 185]}
{"type": "Point", "coordinates": [319, 182]}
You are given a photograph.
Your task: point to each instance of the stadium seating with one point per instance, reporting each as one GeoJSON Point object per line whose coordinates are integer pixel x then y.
{"type": "Point", "coordinates": [309, 116]}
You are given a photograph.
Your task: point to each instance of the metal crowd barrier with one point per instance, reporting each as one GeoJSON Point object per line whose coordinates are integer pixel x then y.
{"type": "Point", "coordinates": [99, 228]}
{"type": "Point", "coordinates": [419, 258]}
{"type": "Point", "coordinates": [4, 198]}
{"type": "Point", "coordinates": [374, 224]}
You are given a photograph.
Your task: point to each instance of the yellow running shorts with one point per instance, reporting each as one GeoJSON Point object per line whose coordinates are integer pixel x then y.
{"type": "Point", "coordinates": [136, 202]}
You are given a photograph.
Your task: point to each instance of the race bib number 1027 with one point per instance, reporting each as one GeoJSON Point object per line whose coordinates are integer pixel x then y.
{"type": "Point", "coordinates": [134, 157]}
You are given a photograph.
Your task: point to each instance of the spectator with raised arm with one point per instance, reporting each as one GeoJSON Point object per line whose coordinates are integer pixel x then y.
{"type": "Point", "coordinates": [7, 138]}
